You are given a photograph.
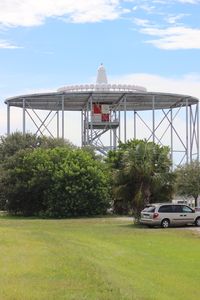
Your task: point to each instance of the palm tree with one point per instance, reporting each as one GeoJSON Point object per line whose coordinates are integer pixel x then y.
{"type": "Point", "coordinates": [144, 167]}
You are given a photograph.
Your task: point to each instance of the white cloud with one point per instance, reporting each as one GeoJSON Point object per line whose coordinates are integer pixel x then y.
{"type": "Point", "coordinates": [175, 1]}
{"type": "Point", "coordinates": [170, 38]}
{"type": "Point", "coordinates": [142, 22]}
{"type": "Point", "coordinates": [174, 38]}
{"type": "Point", "coordinates": [189, 1]}
{"type": "Point", "coordinates": [34, 13]}
{"type": "Point", "coordinates": [7, 45]}
{"type": "Point", "coordinates": [187, 84]}
{"type": "Point", "coordinates": [169, 29]}
{"type": "Point", "coordinates": [148, 8]}
{"type": "Point", "coordinates": [172, 19]}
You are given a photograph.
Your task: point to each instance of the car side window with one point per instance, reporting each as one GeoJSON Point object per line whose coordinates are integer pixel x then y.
{"type": "Point", "coordinates": [165, 209]}
{"type": "Point", "coordinates": [177, 208]}
{"type": "Point", "coordinates": [187, 209]}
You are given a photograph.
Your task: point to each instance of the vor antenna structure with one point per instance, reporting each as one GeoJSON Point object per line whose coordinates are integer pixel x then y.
{"type": "Point", "coordinates": [109, 112]}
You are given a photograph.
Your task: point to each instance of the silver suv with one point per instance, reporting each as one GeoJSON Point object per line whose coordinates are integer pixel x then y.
{"type": "Point", "coordinates": [167, 214]}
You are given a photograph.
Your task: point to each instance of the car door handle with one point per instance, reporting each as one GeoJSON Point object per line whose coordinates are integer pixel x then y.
{"type": "Point", "coordinates": [183, 215]}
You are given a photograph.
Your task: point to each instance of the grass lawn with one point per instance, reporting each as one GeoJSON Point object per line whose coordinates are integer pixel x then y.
{"type": "Point", "coordinates": [102, 258]}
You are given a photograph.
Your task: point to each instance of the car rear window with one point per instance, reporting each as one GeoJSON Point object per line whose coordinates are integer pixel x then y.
{"type": "Point", "coordinates": [149, 209]}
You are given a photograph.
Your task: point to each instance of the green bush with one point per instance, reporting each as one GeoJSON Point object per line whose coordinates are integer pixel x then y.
{"type": "Point", "coordinates": [59, 182]}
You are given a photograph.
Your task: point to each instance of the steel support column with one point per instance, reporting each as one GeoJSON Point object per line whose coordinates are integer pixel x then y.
{"type": "Point", "coordinates": [91, 120]}
{"type": "Point", "coordinates": [192, 128]}
{"type": "Point", "coordinates": [119, 118]}
{"type": "Point", "coordinates": [135, 115]}
{"type": "Point", "coordinates": [172, 140]}
{"type": "Point", "coordinates": [111, 140]}
{"type": "Point", "coordinates": [153, 118]}
{"type": "Point", "coordinates": [8, 119]}
{"type": "Point", "coordinates": [58, 124]}
{"type": "Point", "coordinates": [198, 131]}
{"type": "Point", "coordinates": [24, 117]}
{"type": "Point", "coordinates": [84, 127]}
{"type": "Point", "coordinates": [114, 139]}
{"type": "Point", "coordinates": [187, 135]}
{"type": "Point", "coordinates": [87, 122]}
{"type": "Point", "coordinates": [114, 134]}
{"type": "Point", "coordinates": [63, 117]}
{"type": "Point", "coordinates": [82, 143]}
{"type": "Point", "coordinates": [125, 119]}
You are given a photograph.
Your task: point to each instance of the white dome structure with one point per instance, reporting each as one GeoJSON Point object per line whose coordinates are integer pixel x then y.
{"type": "Point", "coordinates": [102, 85]}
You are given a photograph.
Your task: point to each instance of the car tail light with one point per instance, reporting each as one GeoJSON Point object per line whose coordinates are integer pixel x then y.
{"type": "Point", "coordinates": [155, 215]}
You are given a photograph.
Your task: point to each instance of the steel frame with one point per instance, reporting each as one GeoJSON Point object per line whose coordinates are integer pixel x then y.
{"type": "Point", "coordinates": [41, 125]}
{"type": "Point", "coordinates": [190, 146]}
{"type": "Point", "coordinates": [189, 149]}
{"type": "Point", "coordinates": [93, 134]}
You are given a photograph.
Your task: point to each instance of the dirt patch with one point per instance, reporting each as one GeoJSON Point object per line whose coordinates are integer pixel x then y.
{"type": "Point", "coordinates": [195, 229]}
{"type": "Point", "coordinates": [126, 219]}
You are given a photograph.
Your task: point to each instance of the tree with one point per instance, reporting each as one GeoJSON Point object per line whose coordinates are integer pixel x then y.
{"type": "Point", "coordinates": [140, 169]}
{"type": "Point", "coordinates": [11, 144]}
{"type": "Point", "coordinates": [59, 182]}
{"type": "Point", "coordinates": [188, 180]}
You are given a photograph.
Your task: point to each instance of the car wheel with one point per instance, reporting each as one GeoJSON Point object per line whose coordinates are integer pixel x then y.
{"type": "Point", "coordinates": [165, 223]}
{"type": "Point", "coordinates": [197, 222]}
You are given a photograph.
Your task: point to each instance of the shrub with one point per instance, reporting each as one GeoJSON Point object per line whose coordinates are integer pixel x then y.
{"type": "Point", "coordinates": [59, 182]}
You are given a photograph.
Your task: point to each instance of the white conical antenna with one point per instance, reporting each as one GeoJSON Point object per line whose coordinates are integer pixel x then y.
{"type": "Point", "coordinates": [101, 75]}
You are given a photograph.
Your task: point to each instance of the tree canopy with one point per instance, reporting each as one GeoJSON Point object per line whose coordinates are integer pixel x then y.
{"type": "Point", "coordinates": [16, 141]}
{"type": "Point", "coordinates": [141, 174]}
{"type": "Point", "coordinates": [59, 182]}
{"type": "Point", "coordinates": [188, 180]}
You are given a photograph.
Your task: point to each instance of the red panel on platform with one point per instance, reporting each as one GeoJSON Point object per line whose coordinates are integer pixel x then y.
{"type": "Point", "coordinates": [105, 117]}
{"type": "Point", "coordinates": [96, 108]}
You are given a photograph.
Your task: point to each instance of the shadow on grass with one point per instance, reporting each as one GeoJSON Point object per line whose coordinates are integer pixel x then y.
{"type": "Point", "coordinates": [138, 226]}
{"type": "Point", "coordinates": [14, 217]}
{"type": "Point", "coordinates": [8, 216]}
{"type": "Point", "coordinates": [153, 228]}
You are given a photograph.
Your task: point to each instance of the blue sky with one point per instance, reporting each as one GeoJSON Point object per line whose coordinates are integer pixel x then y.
{"type": "Point", "coordinates": [47, 44]}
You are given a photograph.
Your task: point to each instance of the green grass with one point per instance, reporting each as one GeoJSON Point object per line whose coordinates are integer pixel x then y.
{"type": "Point", "coordinates": [103, 258]}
